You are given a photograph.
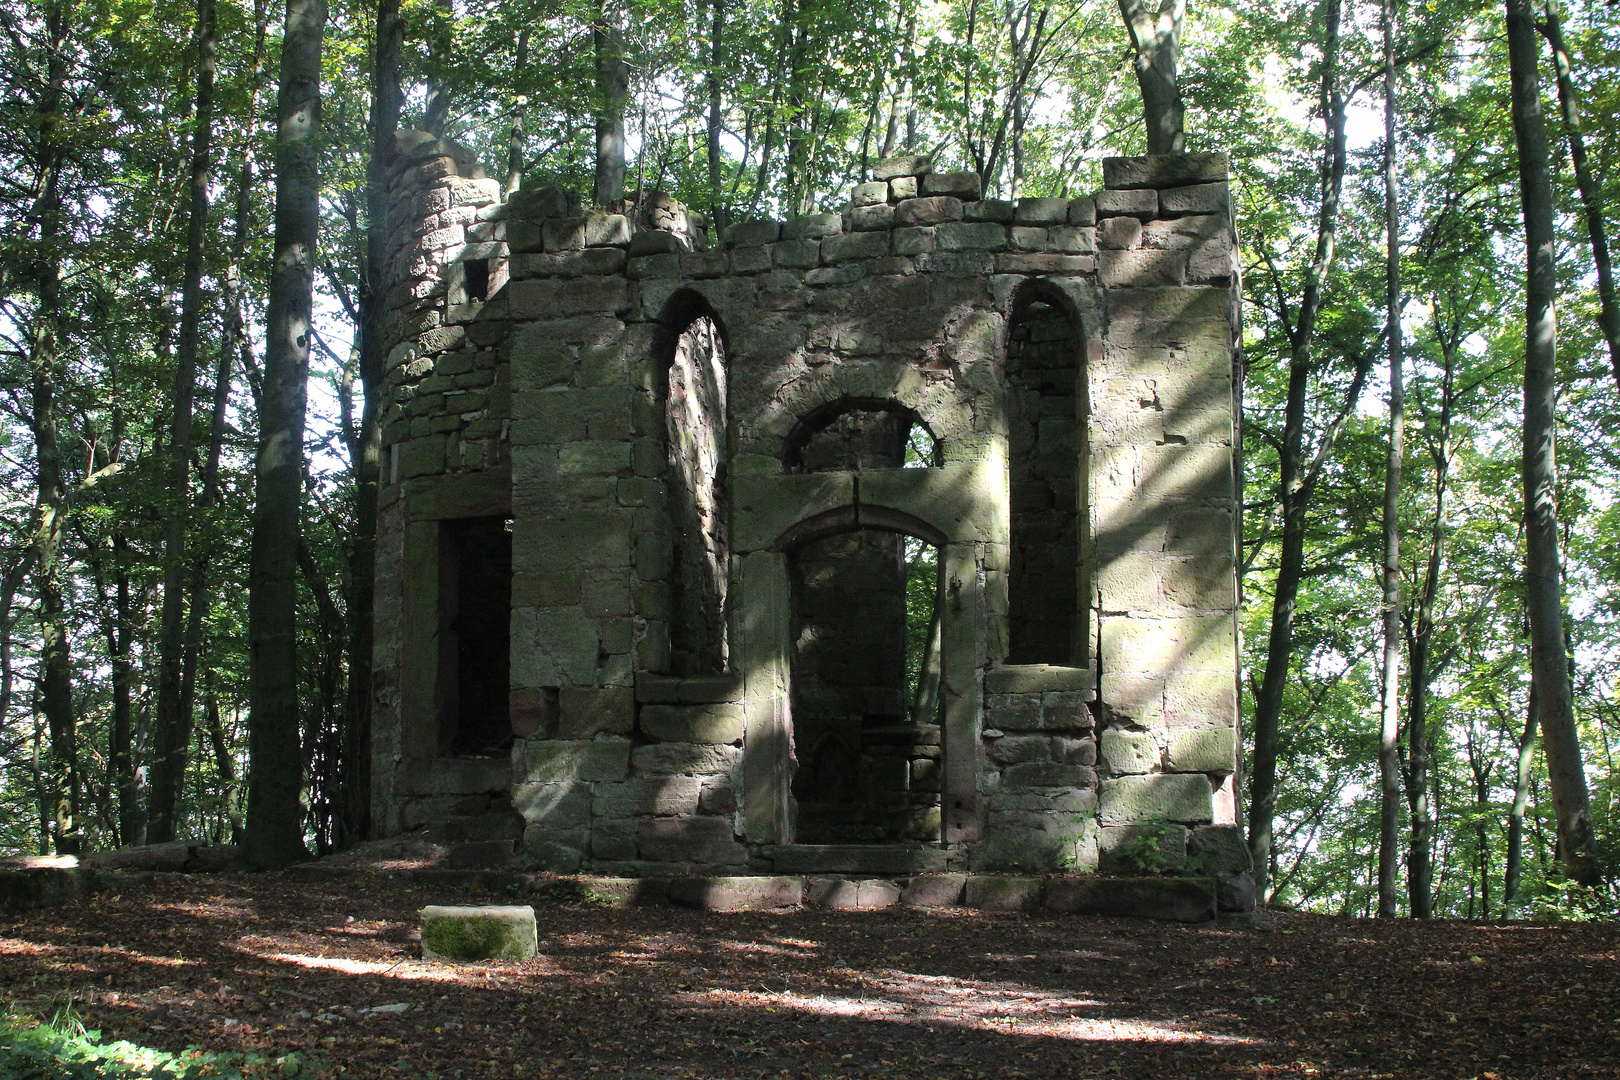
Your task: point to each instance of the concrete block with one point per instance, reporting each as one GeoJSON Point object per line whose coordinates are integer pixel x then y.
{"type": "Point", "coordinates": [479, 933]}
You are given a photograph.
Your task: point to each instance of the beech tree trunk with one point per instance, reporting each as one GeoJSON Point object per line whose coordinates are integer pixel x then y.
{"type": "Point", "coordinates": [1156, 40]}
{"type": "Point", "coordinates": [275, 771]}
{"type": "Point", "coordinates": [612, 89]}
{"type": "Point", "coordinates": [1544, 600]}
{"type": "Point", "coordinates": [1591, 194]}
{"type": "Point", "coordinates": [54, 679]}
{"type": "Point", "coordinates": [1525, 763]}
{"type": "Point", "coordinates": [174, 723]}
{"type": "Point", "coordinates": [1389, 768]}
{"type": "Point", "coordinates": [436, 109]}
{"type": "Point", "coordinates": [1296, 482]}
{"type": "Point", "coordinates": [520, 106]}
{"type": "Point", "coordinates": [365, 456]}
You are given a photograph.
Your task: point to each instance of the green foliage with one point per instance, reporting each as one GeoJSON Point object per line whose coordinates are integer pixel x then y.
{"type": "Point", "coordinates": [64, 1049]}
{"type": "Point", "coordinates": [1144, 852]}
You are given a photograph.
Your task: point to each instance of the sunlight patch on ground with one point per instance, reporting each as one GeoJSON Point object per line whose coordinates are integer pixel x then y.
{"type": "Point", "coordinates": [1007, 1009]}
{"type": "Point", "coordinates": [13, 947]}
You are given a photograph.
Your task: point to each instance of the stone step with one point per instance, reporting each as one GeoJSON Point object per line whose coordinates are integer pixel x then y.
{"type": "Point", "coordinates": [473, 828]}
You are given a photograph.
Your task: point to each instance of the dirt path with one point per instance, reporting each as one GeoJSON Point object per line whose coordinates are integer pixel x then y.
{"type": "Point", "coordinates": [273, 964]}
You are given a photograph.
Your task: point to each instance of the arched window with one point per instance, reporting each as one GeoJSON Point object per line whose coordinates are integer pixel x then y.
{"type": "Point", "coordinates": [1045, 443]}
{"type": "Point", "coordinates": [696, 490]}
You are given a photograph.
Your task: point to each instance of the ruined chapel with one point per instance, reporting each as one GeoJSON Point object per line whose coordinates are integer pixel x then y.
{"type": "Point", "coordinates": [894, 541]}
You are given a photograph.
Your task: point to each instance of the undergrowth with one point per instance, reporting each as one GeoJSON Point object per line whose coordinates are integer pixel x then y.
{"type": "Point", "coordinates": [62, 1048]}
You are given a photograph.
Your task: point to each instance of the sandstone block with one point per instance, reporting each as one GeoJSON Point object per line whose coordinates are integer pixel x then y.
{"type": "Point", "coordinates": [1046, 774]}
{"type": "Point", "coordinates": [928, 211]}
{"type": "Point", "coordinates": [934, 890]}
{"type": "Point", "coordinates": [864, 245]}
{"type": "Point", "coordinates": [870, 218]}
{"type": "Point", "coordinates": [1177, 797]}
{"type": "Point", "coordinates": [1125, 751]}
{"type": "Point", "coordinates": [1151, 848]}
{"type": "Point", "coordinates": [963, 185]}
{"type": "Point", "coordinates": [717, 723]}
{"type": "Point", "coordinates": [1000, 211]}
{"type": "Point", "coordinates": [1119, 233]}
{"type": "Point", "coordinates": [1202, 750]}
{"type": "Point", "coordinates": [870, 194]}
{"type": "Point", "coordinates": [1042, 211]}
{"type": "Point", "coordinates": [543, 760]}
{"type": "Point", "coordinates": [1082, 212]}
{"type": "Point", "coordinates": [764, 893]}
{"type": "Point", "coordinates": [1219, 849]}
{"type": "Point", "coordinates": [902, 187]}
{"type": "Point", "coordinates": [677, 759]}
{"type": "Point", "coordinates": [585, 712]}
{"type": "Point", "coordinates": [812, 226]}
{"type": "Point", "coordinates": [553, 805]}
{"type": "Point", "coordinates": [663, 796]}
{"type": "Point", "coordinates": [607, 230]}
{"type": "Point", "coordinates": [753, 232]}
{"type": "Point", "coordinates": [1171, 899]}
{"type": "Point", "coordinates": [1140, 203]}
{"type": "Point", "coordinates": [971, 236]}
{"type": "Point", "coordinates": [901, 165]}
{"type": "Point", "coordinates": [1163, 170]}
{"type": "Point", "coordinates": [1196, 199]}
{"type": "Point", "coordinates": [479, 933]}
{"type": "Point", "coordinates": [563, 234]}
{"type": "Point", "coordinates": [706, 840]}
{"type": "Point", "coordinates": [989, 893]}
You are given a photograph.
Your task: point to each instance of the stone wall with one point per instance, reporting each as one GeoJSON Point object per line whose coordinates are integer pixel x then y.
{"type": "Point", "coordinates": [905, 303]}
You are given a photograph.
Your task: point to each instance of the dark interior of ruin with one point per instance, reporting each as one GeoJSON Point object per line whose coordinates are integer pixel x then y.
{"type": "Point", "coordinates": [475, 610]}
{"type": "Point", "coordinates": [865, 685]}
{"type": "Point", "coordinates": [1043, 441]}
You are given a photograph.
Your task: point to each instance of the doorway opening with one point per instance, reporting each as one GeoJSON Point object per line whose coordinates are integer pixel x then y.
{"type": "Point", "coordinates": [475, 643]}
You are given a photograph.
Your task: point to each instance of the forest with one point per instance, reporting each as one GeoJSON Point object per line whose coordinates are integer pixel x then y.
{"type": "Point", "coordinates": [1430, 565]}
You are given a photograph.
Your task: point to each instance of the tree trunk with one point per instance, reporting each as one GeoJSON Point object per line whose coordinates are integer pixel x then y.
{"type": "Point", "coordinates": [1156, 42]}
{"type": "Point", "coordinates": [520, 110]}
{"type": "Point", "coordinates": [612, 89]}
{"type": "Point", "coordinates": [365, 457]}
{"type": "Point", "coordinates": [54, 678]}
{"type": "Point", "coordinates": [1295, 484]}
{"type": "Point", "coordinates": [717, 29]}
{"type": "Point", "coordinates": [1525, 762]}
{"type": "Point", "coordinates": [1419, 860]}
{"type": "Point", "coordinates": [436, 109]}
{"type": "Point", "coordinates": [1543, 585]}
{"type": "Point", "coordinates": [275, 771]}
{"type": "Point", "coordinates": [1591, 194]}
{"type": "Point", "coordinates": [173, 734]}
{"type": "Point", "coordinates": [1389, 804]}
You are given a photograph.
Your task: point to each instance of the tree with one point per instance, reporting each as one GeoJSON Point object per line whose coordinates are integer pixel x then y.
{"type": "Point", "coordinates": [1156, 41]}
{"type": "Point", "coordinates": [1389, 734]}
{"type": "Point", "coordinates": [174, 712]}
{"type": "Point", "coordinates": [1542, 564]}
{"type": "Point", "coordinates": [274, 821]}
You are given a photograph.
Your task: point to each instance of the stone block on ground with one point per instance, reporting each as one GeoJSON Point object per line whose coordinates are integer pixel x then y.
{"type": "Point", "coordinates": [479, 933]}
{"type": "Point", "coordinates": [1171, 899]}
{"type": "Point", "coordinates": [765, 893]}
{"type": "Point", "coordinates": [934, 890]}
{"type": "Point", "coordinates": [843, 894]}
{"type": "Point", "coordinates": [991, 893]}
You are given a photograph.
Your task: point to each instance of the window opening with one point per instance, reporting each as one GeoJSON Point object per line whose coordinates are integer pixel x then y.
{"type": "Point", "coordinates": [477, 273]}
{"type": "Point", "coordinates": [695, 432]}
{"type": "Point", "coordinates": [475, 610]}
{"type": "Point", "coordinates": [1043, 588]}
{"type": "Point", "coordinates": [865, 654]}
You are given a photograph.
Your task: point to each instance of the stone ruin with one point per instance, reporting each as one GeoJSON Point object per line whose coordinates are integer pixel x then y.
{"type": "Point", "coordinates": [653, 503]}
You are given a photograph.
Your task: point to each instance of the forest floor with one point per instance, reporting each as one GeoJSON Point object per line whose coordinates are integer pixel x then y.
{"type": "Point", "coordinates": [277, 965]}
